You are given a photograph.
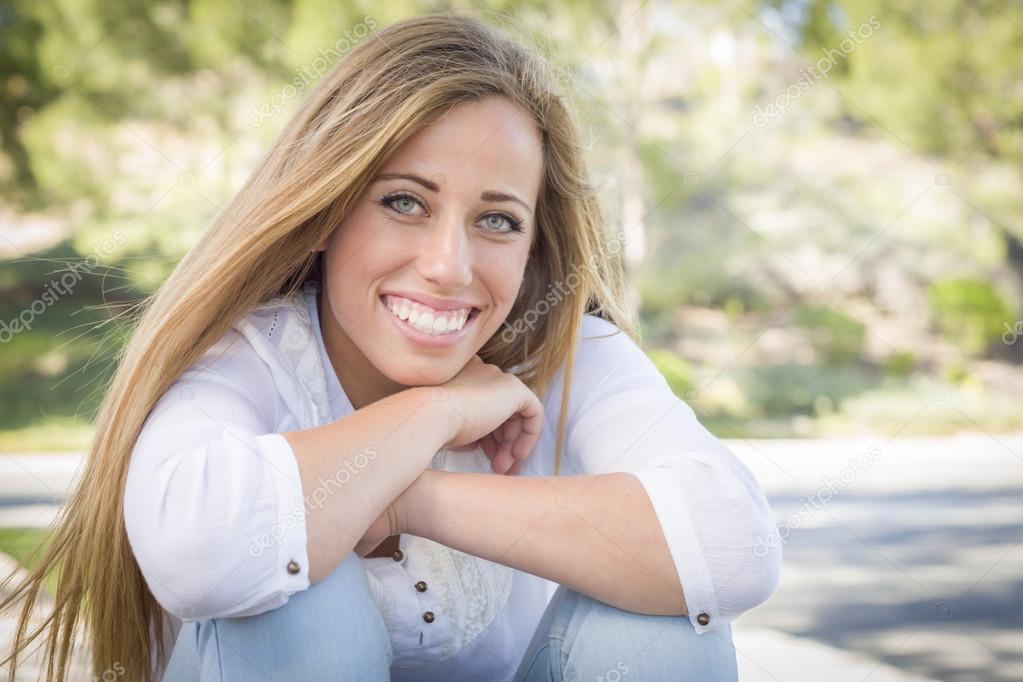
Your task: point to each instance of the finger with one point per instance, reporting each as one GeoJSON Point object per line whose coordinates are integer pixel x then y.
{"type": "Point", "coordinates": [498, 433]}
{"type": "Point", "coordinates": [531, 419]}
{"type": "Point", "coordinates": [512, 430]}
{"type": "Point", "coordinates": [490, 447]}
{"type": "Point", "coordinates": [504, 460]}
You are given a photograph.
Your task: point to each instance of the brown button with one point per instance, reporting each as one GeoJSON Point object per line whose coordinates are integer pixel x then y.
{"type": "Point", "coordinates": [428, 616]}
{"type": "Point", "coordinates": [703, 619]}
{"type": "Point", "coordinates": [293, 567]}
{"type": "Point", "coordinates": [421, 586]}
{"type": "Point", "coordinates": [398, 555]}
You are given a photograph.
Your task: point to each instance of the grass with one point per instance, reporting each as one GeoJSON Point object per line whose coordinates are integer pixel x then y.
{"type": "Point", "coordinates": [21, 544]}
{"type": "Point", "coordinates": [51, 435]}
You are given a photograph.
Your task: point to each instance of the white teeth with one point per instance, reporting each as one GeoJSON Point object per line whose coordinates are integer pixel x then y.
{"type": "Point", "coordinates": [426, 321]}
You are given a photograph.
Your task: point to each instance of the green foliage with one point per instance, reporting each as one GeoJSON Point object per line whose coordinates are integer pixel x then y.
{"type": "Point", "coordinates": [135, 119]}
{"type": "Point", "coordinates": [836, 336]}
{"type": "Point", "coordinates": [970, 312]}
{"type": "Point", "coordinates": [796, 389]}
{"type": "Point", "coordinates": [676, 371]}
{"type": "Point", "coordinates": [909, 409]}
{"type": "Point", "coordinates": [899, 364]}
{"type": "Point", "coordinates": [59, 334]}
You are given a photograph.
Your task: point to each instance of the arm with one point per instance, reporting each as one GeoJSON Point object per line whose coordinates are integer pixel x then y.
{"type": "Point", "coordinates": [595, 534]}
{"type": "Point", "coordinates": [216, 498]}
{"type": "Point", "coordinates": [372, 455]}
{"type": "Point", "coordinates": [624, 419]}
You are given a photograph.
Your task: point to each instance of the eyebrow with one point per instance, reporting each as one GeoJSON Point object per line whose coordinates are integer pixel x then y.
{"type": "Point", "coordinates": [433, 187]}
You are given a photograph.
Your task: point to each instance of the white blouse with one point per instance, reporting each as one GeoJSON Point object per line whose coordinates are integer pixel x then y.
{"type": "Point", "coordinates": [215, 512]}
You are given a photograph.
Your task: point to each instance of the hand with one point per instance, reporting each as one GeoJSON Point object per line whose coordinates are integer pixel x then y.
{"type": "Point", "coordinates": [493, 410]}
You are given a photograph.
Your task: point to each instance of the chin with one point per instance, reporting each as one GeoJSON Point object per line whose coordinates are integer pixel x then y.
{"type": "Point", "coordinates": [422, 374]}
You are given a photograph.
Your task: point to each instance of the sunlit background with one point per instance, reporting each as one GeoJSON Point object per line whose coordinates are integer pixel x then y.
{"type": "Point", "coordinates": [822, 209]}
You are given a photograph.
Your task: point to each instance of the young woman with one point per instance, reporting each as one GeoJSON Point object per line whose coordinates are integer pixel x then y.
{"type": "Point", "coordinates": [388, 419]}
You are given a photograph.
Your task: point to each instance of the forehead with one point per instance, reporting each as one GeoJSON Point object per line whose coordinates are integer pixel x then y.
{"type": "Point", "coordinates": [491, 144]}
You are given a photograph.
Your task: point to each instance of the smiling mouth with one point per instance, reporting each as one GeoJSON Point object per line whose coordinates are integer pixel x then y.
{"type": "Point", "coordinates": [427, 320]}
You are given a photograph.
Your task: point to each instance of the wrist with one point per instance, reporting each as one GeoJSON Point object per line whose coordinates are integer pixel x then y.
{"type": "Point", "coordinates": [421, 504]}
{"type": "Point", "coordinates": [443, 414]}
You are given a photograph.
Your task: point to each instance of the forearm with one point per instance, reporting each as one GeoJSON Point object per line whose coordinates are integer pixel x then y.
{"type": "Point", "coordinates": [370, 457]}
{"type": "Point", "coordinates": [598, 535]}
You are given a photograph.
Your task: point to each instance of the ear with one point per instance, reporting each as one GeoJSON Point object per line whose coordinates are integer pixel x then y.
{"type": "Point", "coordinates": [322, 246]}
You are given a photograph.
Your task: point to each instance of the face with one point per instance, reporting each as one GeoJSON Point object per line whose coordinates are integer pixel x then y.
{"type": "Point", "coordinates": [427, 265]}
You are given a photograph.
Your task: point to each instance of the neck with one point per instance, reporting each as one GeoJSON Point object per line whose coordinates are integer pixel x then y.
{"type": "Point", "coordinates": [361, 381]}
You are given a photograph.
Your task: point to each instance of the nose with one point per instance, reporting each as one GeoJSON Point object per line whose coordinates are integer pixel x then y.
{"type": "Point", "coordinates": [445, 254]}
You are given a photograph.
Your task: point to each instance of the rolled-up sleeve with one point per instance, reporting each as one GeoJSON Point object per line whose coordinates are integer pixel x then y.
{"type": "Point", "coordinates": [623, 417]}
{"type": "Point", "coordinates": [213, 502]}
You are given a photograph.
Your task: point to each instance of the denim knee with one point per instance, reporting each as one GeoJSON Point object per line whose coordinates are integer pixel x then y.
{"type": "Point", "coordinates": [586, 639]}
{"type": "Point", "coordinates": [330, 629]}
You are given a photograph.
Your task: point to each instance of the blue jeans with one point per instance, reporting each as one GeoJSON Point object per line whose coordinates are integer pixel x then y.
{"type": "Point", "coordinates": [577, 638]}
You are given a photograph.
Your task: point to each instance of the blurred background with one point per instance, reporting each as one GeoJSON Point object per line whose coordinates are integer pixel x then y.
{"type": "Point", "coordinates": [823, 217]}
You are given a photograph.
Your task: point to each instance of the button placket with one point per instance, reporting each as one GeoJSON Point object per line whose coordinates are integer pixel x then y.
{"type": "Point", "coordinates": [420, 586]}
{"type": "Point", "coordinates": [425, 600]}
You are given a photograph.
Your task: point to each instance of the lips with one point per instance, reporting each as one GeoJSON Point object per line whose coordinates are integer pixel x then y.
{"type": "Point", "coordinates": [433, 302]}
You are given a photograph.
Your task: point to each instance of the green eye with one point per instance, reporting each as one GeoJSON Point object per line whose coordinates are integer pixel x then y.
{"type": "Point", "coordinates": [395, 200]}
{"type": "Point", "coordinates": [391, 200]}
{"type": "Point", "coordinates": [513, 225]}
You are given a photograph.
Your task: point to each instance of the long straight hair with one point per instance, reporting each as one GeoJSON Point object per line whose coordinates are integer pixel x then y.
{"type": "Point", "coordinates": [387, 88]}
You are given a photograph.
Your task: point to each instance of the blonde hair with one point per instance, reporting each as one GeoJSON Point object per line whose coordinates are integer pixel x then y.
{"type": "Point", "coordinates": [259, 247]}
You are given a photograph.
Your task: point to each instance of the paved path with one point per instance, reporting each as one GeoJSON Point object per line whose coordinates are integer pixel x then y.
{"type": "Point", "coordinates": [912, 556]}
{"type": "Point", "coordinates": [31, 667]}
{"type": "Point", "coordinates": [771, 656]}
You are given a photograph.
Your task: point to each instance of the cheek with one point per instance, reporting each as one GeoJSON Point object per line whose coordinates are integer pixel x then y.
{"type": "Point", "coordinates": [503, 279]}
{"type": "Point", "coordinates": [514, 274]}
{"type": "Point", "coordinates": [363, 256]}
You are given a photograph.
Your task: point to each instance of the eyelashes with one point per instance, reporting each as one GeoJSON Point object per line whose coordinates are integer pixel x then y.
{"type": "Point", "coordinates": [388, 200]}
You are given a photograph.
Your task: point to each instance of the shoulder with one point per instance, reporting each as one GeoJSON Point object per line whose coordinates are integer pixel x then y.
{"type": "Point", "coordinates": [606, 349]}
{"type": "Point", "coordinates": [252, 342]}
{"type": "Point", "coordinates": [248, 364]}
{"type": "Point", "coordinates": [267, 324]}
{"type": "Point", "coordinates": [607, 360]}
